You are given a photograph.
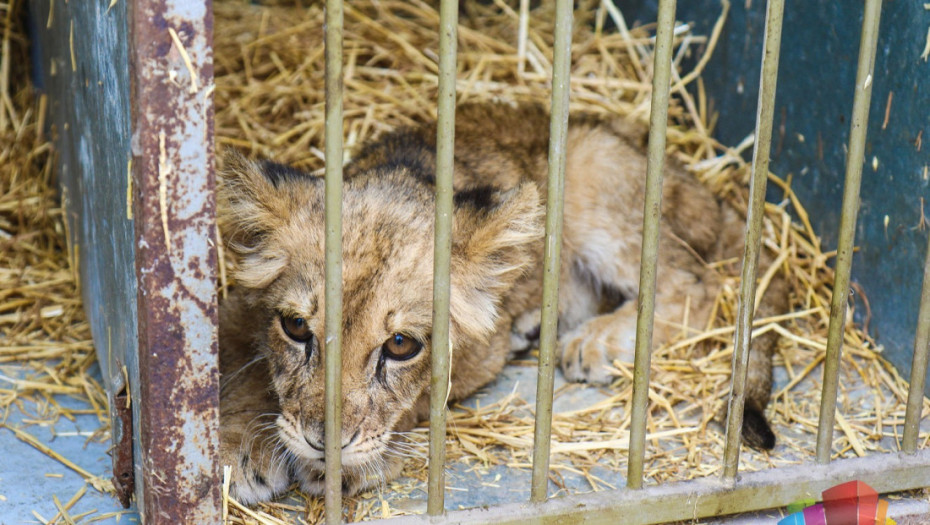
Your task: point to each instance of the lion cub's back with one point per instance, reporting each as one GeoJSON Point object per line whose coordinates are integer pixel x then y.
{"type": "Point", "coordinates": [500, 145]}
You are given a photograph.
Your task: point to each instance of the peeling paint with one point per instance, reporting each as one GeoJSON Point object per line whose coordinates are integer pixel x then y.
{"type": "Point", "coordinates": [173, 137]}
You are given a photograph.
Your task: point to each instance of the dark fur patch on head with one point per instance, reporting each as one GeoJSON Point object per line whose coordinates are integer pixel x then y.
{"type": "Point", "coordinates": [402, 150]}
{"type": "Point", "coordinates": [244, 461]}
{"type": "Point", "coordinates": [278, 173]}
{"type": "Point", "coordinates": [479, 197]}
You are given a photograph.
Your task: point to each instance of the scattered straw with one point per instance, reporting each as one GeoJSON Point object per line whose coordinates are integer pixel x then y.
{"type": "Point", "coordinates": [186, 58]}
{"type": "Point", "coordinates": [926, 52]}
{"type": "Point", "coordinates": [63, 509]}
{"type": "Point", "coordinates": [164, 169]}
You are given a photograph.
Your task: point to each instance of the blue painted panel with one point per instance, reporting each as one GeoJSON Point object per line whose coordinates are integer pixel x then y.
{"type": "Point", "coordinates": [820, 46]}
{"type": "Point", "coordinates": [82, 64]}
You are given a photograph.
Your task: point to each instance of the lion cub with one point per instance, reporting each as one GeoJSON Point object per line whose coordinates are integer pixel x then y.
{"type": "Point", "coordinates": [272, 324]}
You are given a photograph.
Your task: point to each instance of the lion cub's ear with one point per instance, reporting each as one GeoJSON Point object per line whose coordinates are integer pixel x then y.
{"type": "Point", "coordinates": [254, 200]}
{"type": "Point", "coordinates": [495, 234]}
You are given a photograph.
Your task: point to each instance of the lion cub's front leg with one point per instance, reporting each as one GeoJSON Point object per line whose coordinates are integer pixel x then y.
{"type": "Point", "coordinates": [591, 347]}
{"type": "Point", "coordinates": [249, 443]}
{"type": "Point", "coordinates": [259, 464]}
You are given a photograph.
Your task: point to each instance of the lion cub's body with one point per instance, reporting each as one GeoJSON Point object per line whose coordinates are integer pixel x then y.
{"type": "Point", "coordinates": [272, 217]}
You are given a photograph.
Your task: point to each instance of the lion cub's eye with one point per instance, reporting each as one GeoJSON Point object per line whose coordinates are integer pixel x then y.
{"type": "Point", "coordinates": [401, 347]}
{"type": "Point", "coordinates": [296, 328]}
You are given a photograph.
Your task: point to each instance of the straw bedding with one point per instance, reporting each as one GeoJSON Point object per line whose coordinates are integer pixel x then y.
{"type": "Point", "coordinates": [269, 103]}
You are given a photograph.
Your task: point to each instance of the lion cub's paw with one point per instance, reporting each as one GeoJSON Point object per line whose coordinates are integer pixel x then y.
{"type": "Point", "coordinates": [354, 481]}
{"type": "Point", "coordinates": [253, 480]}
{"type": "Point", "coordinates": [524, 332]}
{"type": "Point", "coordinates": [588, 350]}
{"type": "Point", "coordinates": [310, 479]}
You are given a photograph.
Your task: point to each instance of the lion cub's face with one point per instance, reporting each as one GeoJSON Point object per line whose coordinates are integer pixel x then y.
{"type": "Point", "coordinates": [272, 220]}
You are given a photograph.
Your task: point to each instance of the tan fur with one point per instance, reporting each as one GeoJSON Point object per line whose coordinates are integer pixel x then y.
{"type": "Point", "coordinates": [272, 219]}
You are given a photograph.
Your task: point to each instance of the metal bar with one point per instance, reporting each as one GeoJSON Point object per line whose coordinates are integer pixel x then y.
{"type": "Point", "coordinates": [558, 132]}
{"type": "Point", "coordinates": [844, 249]}
{"type": "Point", "coordinates": [690, 500]}
{"type": "Point", "coordinates": [445, 149]}
{"type": "Point", "coordinates": [658, 120]}
{"type": "Point", "coordinates": [915, 392]}
{"type": "Point", "coordinates": [177, 468]}
{"type": "Point", "coordinates": [333, 272]}
{"type": "Point", "coordinates": [750, 264]}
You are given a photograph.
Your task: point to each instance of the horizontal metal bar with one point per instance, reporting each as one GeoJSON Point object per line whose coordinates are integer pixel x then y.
{"type": "Point", "coordinates": [747, 289]}
{"type": "Point", "coordinates": [658, 121]}
{"type": "Point", "coordinates": [844, 248]}
{"type": "Point", "coordinates": [915, 392]}
{"type": "Point", "coordinates": [558, 133]}
{"type": "Point", "coordinates": [445, 144]}
{"type": "Point", "coordinates": [704, 497]}
{"type": "Point", "coordinates": [333, 273]}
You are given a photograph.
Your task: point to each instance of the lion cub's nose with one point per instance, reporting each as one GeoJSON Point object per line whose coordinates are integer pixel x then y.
{"type": "Point", "coordinates": [319, 446]}
{"type": "Point", "coordinates": [314, 445]}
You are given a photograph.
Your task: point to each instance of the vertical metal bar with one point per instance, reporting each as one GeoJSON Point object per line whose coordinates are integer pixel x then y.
{"type": "Point", "coordinates": [177, 476]}
{"type": "Point", "coordinates": [844, 249]}
{"type": "Point", "coordinates": [915, 392]}
{"type": "Point", "coordinates": [558, 132]}
{"type": "Point", "coordinates": [750, 264]}
{"type": "Point", "coordinates": [333, 275]}
{"type": "Point", "coordinates": [658, 120]}
{"type": "Point", "coordinates": [445, 146]}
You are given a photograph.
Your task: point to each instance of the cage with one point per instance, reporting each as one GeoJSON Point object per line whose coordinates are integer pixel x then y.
{"type": "Point", "coordinates": [131, 89]}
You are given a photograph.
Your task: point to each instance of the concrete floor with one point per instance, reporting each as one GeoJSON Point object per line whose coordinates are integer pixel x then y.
{"type": "Point", "coordinates": [512, 485]}
{"type": "Point", "coordinates": [30, 480]}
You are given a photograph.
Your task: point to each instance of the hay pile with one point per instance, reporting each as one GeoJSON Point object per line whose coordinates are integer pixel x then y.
{"type": "Point", "coordinates": [270, 103]}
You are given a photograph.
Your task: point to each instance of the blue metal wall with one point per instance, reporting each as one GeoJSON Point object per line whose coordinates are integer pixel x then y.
{"type": "Point", "coordinates": [814, 103]}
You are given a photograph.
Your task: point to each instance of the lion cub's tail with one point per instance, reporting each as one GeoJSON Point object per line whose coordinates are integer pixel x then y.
{"type": "Point", "coordinates": [757, 432]}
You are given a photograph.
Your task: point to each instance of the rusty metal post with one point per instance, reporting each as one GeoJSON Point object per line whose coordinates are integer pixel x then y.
{"type": "Point", "coordinates": [558, 133]}
{"type": "Point", "coordinates": [173, 181]}
{"type": "Point", "coordinates": [747, 289]}
{"type": "Point", "coordinates": [333, 273]}
{"type": "Point", "coordinates": [658, 121]}
{"type": "Point", "coordinates": [844, 248]}
{"type": "Point", "coordinates": [445, 145]}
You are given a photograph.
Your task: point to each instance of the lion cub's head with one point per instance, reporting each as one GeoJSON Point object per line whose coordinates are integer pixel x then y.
{"type": "Point", "coordinates": [272, 221]}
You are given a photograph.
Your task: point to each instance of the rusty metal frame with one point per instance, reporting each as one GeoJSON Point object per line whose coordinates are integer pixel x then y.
{"type": "Point", "coordinates": [131, 106]}
{"type": "Point", "coordinates": [689, 500]}
{"type": "Point", "coordinates": [176, 393]}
